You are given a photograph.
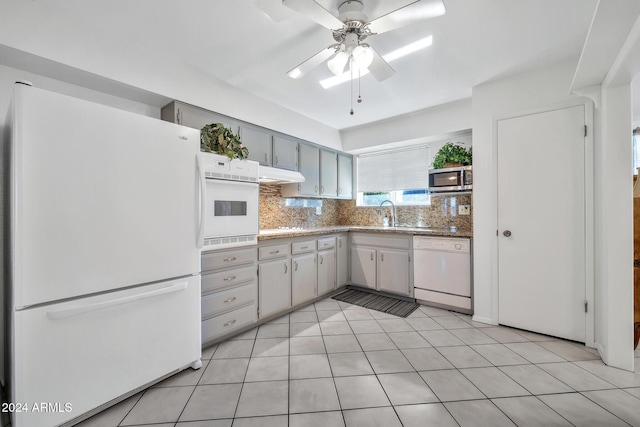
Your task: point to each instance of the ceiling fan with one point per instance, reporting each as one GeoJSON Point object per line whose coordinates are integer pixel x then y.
{"type": "Point", "coordinates": [351, 28]}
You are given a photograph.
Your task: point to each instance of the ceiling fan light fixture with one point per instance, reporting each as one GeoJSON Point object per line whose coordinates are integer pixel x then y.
{"type": "Point", "coordinates": [295, 73]}
{"type": "Point", "coordinates": [338, 62]}
{"type": "Point", "coordinates": [362, 56]}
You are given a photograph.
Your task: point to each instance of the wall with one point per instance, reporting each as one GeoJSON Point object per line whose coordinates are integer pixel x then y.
{"type": "Point", "coordinates": [440, 122]}
{"type": "Point", "coordinates": [9, 75]}
{"type": "Point", "coordinates": [57, 38]}
{"type": "Point", "coordinates": [442, 213]}
{"type": "Point", "coordinates": [491, 101]}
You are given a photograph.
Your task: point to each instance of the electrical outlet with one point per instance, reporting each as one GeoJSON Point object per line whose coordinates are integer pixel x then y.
{"type": "Point", "coordinates": [318, 210]}
{"type": "Point", "coordinates": [464, 210]}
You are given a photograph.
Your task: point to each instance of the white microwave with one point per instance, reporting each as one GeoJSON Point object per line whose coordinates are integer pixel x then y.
{"type": "Point", "coordinates": [449, 180]}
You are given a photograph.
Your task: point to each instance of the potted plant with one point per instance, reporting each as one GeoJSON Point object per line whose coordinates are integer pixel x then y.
{"type": "Point", "coordinates": [452, 155]}
{"type": "Point", "coordinates": [216, 138]}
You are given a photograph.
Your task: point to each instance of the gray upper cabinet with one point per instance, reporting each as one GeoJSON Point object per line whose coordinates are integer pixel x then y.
{"type": "Point", "coordinates": [194, 117]}
{"type": "Point", "coordinates": [258, 141]}
{"type": "Point", "coordinates": [345, 176]}
{"type": "Point", "coordinates": [328, 173]}
{"type": "Point", "coordinates": [285, 153]}
{"type": "Point", "coordinates": [309, 167]}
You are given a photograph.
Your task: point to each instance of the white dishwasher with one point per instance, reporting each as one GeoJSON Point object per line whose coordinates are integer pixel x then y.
{"type": "Point", "coordinates": [442, 272]}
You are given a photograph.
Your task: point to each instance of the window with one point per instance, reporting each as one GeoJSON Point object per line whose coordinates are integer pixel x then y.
{"type": "Point", "coordinates": [401, 176]}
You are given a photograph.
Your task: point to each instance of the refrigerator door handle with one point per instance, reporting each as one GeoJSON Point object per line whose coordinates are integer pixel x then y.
{"type": "Point", "coordinates": [203, 195]}
{"type": "Point", "coordinates": [87, 308]}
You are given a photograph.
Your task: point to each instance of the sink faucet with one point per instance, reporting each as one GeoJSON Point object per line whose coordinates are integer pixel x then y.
{"type": "Point", "coordinates": [393, 212]}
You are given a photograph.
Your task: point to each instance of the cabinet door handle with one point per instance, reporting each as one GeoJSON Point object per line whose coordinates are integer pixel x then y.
{"type": "Point", "coordinates": [339, 190]}
{"type": "Point", "coordinates": [339, 243]}
{"type": "Point", "coordinates": [321, 260]}
{"type": "Point", "coordinates": [266, 158]}
{"type": "Point", "coordinates": [229, 323]}
{"type": "Point", "coordinates": [230, 259]}
{"type": "Point", "coordinates": [232, 299]}
{"type": "Point", "coordinates": [274, 252]}
{"type": "Point", "coordinates": [228, 279]}
{"type": "Point", "coordinates": [295, 265]}
{"type": "Point", "coordinates": [315, 189]}
{"type": "Point", "coordinates": [371, 256]}
{"type": "Point", "coordinates": [285, 268]}
{"type": "Point", "coordinates": [322, 189]}
{"type": "Point", "coordinates": [276, 160]}
{"type": "Point", "coordinates": [381, 257]}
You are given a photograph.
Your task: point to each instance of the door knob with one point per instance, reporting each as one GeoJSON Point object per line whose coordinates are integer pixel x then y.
{"type": "Point", "coordinates": [506, 233]}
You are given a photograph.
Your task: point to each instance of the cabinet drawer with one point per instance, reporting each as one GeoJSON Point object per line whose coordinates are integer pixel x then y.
{"type": "Point", "coordinates": [218, 260]}
{"type": "Point", "coordinates": [275, 251]}
{"type": "Point", "coordinates": [226, 323]}
{"type": "Point", "coordinates": [225, 279]}
{"type": "Point", "coordinates": [380, 240]}
{"type": "Point", "coordinates": [218, 302]}
{"type": "Point", "coordinates": [303, 247]}
{"type": "Point", "coordinates": [326, 243]}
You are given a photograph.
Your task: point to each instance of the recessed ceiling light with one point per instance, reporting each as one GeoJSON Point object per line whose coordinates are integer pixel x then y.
{"type": "Point", "coordinates": [391, 56]}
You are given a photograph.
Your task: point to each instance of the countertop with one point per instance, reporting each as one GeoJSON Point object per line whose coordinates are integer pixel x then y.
{"type": "Point", "coordinates": [279, 233]}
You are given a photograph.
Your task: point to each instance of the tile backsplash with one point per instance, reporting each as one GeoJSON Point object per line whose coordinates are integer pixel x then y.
{"type": "Point", "coordinates": [277, 211]}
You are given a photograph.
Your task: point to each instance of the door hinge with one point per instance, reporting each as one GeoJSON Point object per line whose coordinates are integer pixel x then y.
{"type": "Point", "coordinates": [586, 305]}
{"type": "Point", "coordinates": [585, 130]}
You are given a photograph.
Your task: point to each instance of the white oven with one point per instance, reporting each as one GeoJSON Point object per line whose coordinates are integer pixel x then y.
{"type": "Point", "coordinates": [229, 202]}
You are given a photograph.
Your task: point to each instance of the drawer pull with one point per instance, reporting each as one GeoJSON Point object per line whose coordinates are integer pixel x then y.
{"type": "Point", "coordinates": [227, 279]}
{"type": "Point", "coordinates": [232, 299]}
{"type": "Point", "coordinates": [230, 259]}
{"type": "Point", "coordinates": [274, 252]}
{"type": "Point", "coordinates": [304, 247]}
{"type": "Point", "coordinates": [229, 323]}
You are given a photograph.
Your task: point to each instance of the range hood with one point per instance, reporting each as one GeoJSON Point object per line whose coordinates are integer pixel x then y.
{"type": "Point", "coordinates": [268, 174]}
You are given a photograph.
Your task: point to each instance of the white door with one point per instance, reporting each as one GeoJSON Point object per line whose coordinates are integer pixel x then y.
{"type": "Point", "coordinates": [541, 222]}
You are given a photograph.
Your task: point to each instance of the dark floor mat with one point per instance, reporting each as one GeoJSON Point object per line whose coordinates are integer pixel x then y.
{"type": "Point", "coordinates": [386, 304]}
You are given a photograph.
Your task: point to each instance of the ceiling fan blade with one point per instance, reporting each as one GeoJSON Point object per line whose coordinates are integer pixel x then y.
{"type": "Point", "coordinates": [311, 63]}
{"type": "Point", "coordinates": [380, 68]}
{"type": "Point", "coordinates": [314, 11]}
{"type": "Point", "coordinates": [413, 12]}
{"type": "Point", "coordinates": [273, 9]}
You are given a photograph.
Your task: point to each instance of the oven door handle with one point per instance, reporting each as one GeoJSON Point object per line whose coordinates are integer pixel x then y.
{"type": "Point", "coordinates": [203, 195]}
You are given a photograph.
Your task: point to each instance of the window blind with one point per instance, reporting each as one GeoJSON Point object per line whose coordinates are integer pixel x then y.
{"type": "Point", "coordinates": [402, 169]}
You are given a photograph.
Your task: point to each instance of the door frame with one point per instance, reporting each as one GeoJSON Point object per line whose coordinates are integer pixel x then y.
{"type": "Point", "coordinates": [589, 208]}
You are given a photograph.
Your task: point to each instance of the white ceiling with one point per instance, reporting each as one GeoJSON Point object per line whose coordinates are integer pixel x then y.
{"type": "Point", "coordinates": [235, 42]}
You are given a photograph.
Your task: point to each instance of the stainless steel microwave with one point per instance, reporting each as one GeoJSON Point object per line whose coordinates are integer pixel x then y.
{"type": "Point", "coordinates": [450, 179]}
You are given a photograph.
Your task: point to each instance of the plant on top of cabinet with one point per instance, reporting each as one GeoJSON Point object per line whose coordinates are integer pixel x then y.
{"type": "Point", "coordinates": [451, 155]}
{"type": "Point", "coordinates": [216, 138]}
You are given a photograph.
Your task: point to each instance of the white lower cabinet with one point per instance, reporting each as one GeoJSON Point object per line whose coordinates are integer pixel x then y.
{"type": "Point", "coordinates": [381, 262]}
{"type": "Point", "coordinates": [363, 267]}
{"type": "Point", "coordinates": [393, 271]}
{"type": "Point", "coordinates": [275, 286]}
{"type": "Point", "coordinates": [304, 280]}
{"type": "Point", "coordinates": [326, 271]}
{"type": "Point", "coordinates": [342, 261]}
{"type": "Point", "coordinates": [229, 299]}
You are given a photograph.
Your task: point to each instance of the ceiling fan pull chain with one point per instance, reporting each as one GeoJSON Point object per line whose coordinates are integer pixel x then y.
{"type": "Point", "coordinates": [351, 97]}
{"type": "Point", "coordinates": [359, 75]}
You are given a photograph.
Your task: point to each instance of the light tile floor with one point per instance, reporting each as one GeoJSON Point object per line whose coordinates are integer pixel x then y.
{"type": "Point", "coordinates": [336, 364]}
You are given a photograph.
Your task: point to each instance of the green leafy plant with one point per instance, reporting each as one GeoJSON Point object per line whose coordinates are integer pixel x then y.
{"type": "Point", "coordinates": [215, 138]}
{"type": "Point", "coordinates": [452, 153]}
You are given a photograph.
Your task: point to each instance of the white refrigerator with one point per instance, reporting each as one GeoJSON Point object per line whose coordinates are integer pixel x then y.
{"type": "Point", "coordinates": [102, 264]}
